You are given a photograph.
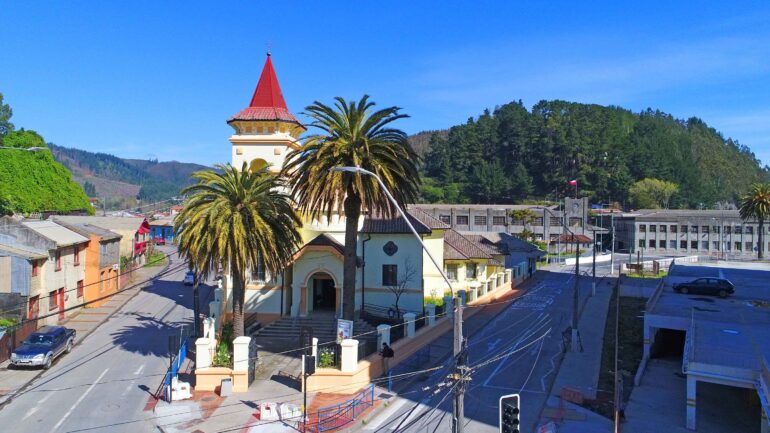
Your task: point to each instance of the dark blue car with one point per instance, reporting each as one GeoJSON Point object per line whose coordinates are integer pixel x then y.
{"type": "Point", "coordinates": [43, 346]}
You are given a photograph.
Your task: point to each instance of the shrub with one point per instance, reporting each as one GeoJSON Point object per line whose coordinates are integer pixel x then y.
{"type": "Point", "coordinates": [222, 357]}
{"type": "Point", "coordinates": [326, 358]}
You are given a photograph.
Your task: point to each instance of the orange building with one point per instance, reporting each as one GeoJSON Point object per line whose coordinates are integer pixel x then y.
{"type": "Point", "coordinates": [102, 257]}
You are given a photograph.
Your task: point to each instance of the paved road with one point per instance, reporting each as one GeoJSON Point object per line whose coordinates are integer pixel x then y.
{"type": "Point", "coordinates": [105, 383]}
{"type": "Point", "coordinates": [510, 357]}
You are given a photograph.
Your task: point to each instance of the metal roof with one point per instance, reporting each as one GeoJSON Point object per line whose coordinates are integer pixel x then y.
{"type": "Point", "coordinates": [25, 251]}
{"type": "Point", "coordinates": [55, 232]}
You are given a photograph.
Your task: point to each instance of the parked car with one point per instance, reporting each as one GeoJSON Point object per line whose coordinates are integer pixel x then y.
{"type": "Point", "coordinates": [706, 286]}
{"type": "Point", "coordinates": [189, 278]}
{"type": "Point", "coordinates": [43, 346]}
{"type": "Point", "coordinates": [159, 240]}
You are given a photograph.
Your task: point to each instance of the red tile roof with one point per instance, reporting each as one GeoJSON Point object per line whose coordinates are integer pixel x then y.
{"type": "Point", "coordinates": [583, 239]}
{"type": "Point", "coordinates": [267, 102]}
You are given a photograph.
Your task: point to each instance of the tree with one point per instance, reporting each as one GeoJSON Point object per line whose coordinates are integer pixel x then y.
{"type": "Point", "coordinates": [350, 134]}
{"type": "Point", "coordinates": [524, 217]}
{"type": "Point", "coordinates": [89, 188]}
{"type": "Point", "coordinates": [756, 204]}
{"type": "Point", "coordinates": [237, 219]}
{"type": "Point", "coordinates": [5, 119]}
{"type": "Point", "coordinates": [652, 193]}
{"type": "Point", "coordinates": [521, 182]}
{"type": "Point", "coordinates": [404, 280]}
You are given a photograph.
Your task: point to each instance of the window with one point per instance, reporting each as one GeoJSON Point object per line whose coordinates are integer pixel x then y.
{"type": "Point", "coordinates": [58, 261]}
{"type": "Point", "coordinates": [451, 271]}
{"type": "Point", "coordinates": [672, 245]}
{"type": "Point", "coordinates": [728, 230]}
{"type": "Point", "coordinates": [643, 228]}
{"type": "Point", "coordinates": [652, 243]}
{"type": "Point", "coordinates": [653, 228]}
{"type": "Point", "coordinates": [737, 246]}
{"type": "Point", "coordinates": [750, 230]}
{"type": "Point", "coordinates": [729, 246]}
{"type": "Point", "coordinates": [52, 304]}
{"type": "Point", "coordinates": [715, 229]}
{"type": "Point", "coordinates": [258, 273]}
{"type": "Point", "coordinates": [575, 222]}
{"type": "Point", "coordinates": [446, 219]}
{"type": "Point", "coordinates": [498, 220]}
{"type": "Point", "coordinates": [682, 245]}
{"type": "Point", "coordinates": [694, 229]}
{"type": "Point", "coordinates": [462, 220]}
{"type": "Point", "coordinates": [693, 245]}
{"type": "Point", "coordinates": [538, 222]}
{"type": "Point", "coordinates": [715, 245]}
{"type": "Point", "coordinates": [684, 229]}
{"type": "Point", "coordinates": [663, 228]}
{"type": "Point", "coordinates": [662, 243]}
{"type": "Point", "coordinates": [738, 230]}
{"type": "Point", "coordinates": [641, 243]}
{"type": "Point", "coordinates": [704, 230]}
{"type": "Point", "coordinates": [35, 268]}
{"type": "Point", "coordinates": [554, 221]}
{"type": "Point", "coordinates": [34, 307]}
{"type": "Point", "coordinates": [471, 270]}
{"type": "Point", "coordinates": [704, 245]}
{"type": "Point", "coordinates": [389, 275]}
{"type": "Point", "coordinates": [80, 289]}
{"type": "Point", "coordinates": [749, 246]}
{"type": "Point", "coordinates": [673, 228]}
{"type": "Point", "coordinates": [480, 220]}
{"type": "Point", "coordinates": [76, 255]}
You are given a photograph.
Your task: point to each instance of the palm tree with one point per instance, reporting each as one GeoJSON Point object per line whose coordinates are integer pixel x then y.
{"type": "Point", "coordinates": [351, 134]}
{"type": "Point", "coordinates": [756, 204]}
{"type": "Point", "coordinates": [237, 218]}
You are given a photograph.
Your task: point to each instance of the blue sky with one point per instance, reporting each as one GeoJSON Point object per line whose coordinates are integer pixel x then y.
{"type": "Point", "coordinates": [159, 79]}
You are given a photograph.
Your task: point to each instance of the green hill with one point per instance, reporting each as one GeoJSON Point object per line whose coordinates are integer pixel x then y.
{"type": "Point", "coordinates": [512, 154]}
{"type": "Point", "coordinates": [32, 181]}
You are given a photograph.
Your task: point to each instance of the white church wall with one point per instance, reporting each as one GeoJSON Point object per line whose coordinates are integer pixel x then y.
{"type": "Point", "coordinates": [263, 300]}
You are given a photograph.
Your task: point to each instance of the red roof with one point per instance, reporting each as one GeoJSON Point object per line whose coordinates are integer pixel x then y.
{"type": "Point", "coordinates": [267, 102]}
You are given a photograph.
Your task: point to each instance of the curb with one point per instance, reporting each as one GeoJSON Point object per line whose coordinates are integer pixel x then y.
{"type": "Point", "coordinates": [119, 307]}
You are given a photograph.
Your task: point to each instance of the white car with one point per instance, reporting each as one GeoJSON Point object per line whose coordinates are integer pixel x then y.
{"type": "Point", "coordinates": [189, 278]}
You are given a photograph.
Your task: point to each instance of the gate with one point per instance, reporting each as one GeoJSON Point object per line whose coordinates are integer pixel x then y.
{"type": "Point", "coordinates": [178, 344]}
{"type": "Point", "coordinates": [334, 417]}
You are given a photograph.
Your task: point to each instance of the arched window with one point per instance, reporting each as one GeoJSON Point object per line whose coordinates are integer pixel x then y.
{"type": "Point", "coordinates": [257, 164]}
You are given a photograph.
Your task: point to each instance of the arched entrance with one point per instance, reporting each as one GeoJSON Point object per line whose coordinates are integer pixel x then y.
{"type": "Point", "coordinates": [323, 293]}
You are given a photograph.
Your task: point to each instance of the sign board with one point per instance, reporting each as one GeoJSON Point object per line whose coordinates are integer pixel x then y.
{"type": "Point", "coordinates": [344, 329]}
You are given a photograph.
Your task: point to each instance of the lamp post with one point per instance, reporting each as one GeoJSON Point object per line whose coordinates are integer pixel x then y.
{"type": "Point", "coordinates": [459, 346]}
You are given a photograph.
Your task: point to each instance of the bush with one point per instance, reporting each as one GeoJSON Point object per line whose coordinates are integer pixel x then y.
{"type": "Point", "coordinates": [222, 358]}
{"type": "Point", "coordinates": [157, 258]}
{"type": "Point", "coordinates": [227, 335]}
{"type": "Point", "coordinates": [6, 323]}
{"type": "Point", "coordinates": [326, 358]}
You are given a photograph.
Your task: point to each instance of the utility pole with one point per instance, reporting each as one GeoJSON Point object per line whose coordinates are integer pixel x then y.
{"type": "Point", "coordinates": [196, 308]}
{"type": "Point", "coordinates": [612, 254]}
{"type": "Point", "coordinates": [593, 278]}
{"type": "Point", "coordinates": [618, 396]}
{"type": "Point", "coordinates": [576, 295]}
{"type": "Point", "coordinates": [458, 420]}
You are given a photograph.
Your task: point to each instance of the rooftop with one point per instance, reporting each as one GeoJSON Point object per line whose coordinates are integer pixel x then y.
{"type": "Point", "coordinates": [24, 251]}
{"type": "Point", "coordinates": [62, 236]}
{"type": "Point", "coordinates": [267, 103]}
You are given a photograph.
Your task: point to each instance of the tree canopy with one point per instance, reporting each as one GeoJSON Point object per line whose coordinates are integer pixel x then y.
{"type": "Point", "coordinates": [535, 153]}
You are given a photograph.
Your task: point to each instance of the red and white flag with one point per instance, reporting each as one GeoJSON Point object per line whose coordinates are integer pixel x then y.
{"type": "Point", "coordinates": [573, 182]}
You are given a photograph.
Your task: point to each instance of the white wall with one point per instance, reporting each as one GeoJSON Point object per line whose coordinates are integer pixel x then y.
{"type": "Point", "coordinates": [67, 278]}
{"type": "Point", "coordinates": [409, 252]}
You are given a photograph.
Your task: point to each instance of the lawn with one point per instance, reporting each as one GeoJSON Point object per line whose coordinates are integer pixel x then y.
{"type": "Point", "coordinates": [157, 258]}
{"type": "Point", "coordinates": [631, 326]}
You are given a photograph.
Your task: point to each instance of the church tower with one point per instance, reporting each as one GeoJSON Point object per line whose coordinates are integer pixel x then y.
{"type": "Point", "coordinates": [265, 130]}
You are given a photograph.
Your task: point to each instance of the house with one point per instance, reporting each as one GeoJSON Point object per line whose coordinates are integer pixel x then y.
{"type": "Point", "coordinates": [162, 228]}
{"type": "Point", "coordinates": [57, 281]}
{"type": "Point", "coordinates": [134, 231]}
{"type": "Point", "coordinates": [102, 263]}
{"type": "Point", "coordinates": [16, 264]}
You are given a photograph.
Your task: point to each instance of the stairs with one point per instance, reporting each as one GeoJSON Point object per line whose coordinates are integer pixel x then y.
{"type": "Point", "coordinates": [284, 334]}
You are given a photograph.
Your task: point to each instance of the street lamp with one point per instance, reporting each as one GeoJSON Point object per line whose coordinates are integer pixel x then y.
{"type": "Point", "coordinates": [459, 345]}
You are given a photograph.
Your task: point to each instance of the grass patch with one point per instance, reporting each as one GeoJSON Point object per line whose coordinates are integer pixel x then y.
{"type": "Point", "coordinates": [660, 274]}
{"type": "Point", "coordinates": [629, 354]}
{"type": "Point", "coordinates": [157, 258]}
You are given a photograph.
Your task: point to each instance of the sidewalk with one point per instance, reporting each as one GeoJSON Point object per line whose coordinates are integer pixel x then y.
{"type": "Point", "coordinates": [84, 322]}
{"type": "Point", "coordinates": [580, 370]}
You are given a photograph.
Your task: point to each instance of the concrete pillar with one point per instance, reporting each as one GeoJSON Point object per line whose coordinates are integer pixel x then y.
{"type": "Point", "coordinates": [483, 289]}
{"type": "Point", "coordinates": [314, 351]}
{"type": "Point", "coordinates": [473, 293]}
{"type": "Point", "coordinates": [409, 319]}
{"type": "Point", "coordinates": [647, 341]}
{"type": "Point", "coordinates": [431, 313]}
{"type": "Point", "coordinates": [508, 273]}
{"type": "Point", "coordinates": [383, 335]}
{"type": "Point", "coordinates": [449, 310]}
{"type": "Point", "coordinates": [492, 284]}
{"type": "Point", "coordinates": [463, 295]}
{"type": "Point", "coordinates": [241, 353]}
{"type": "Point", "coordinates": [349, 362]}
{"type": "Point", "coordinates": [202, 353]}
{"type": "Point", "coordinates": [219, 293]}
{"type": "Point", "coordinates": [215, 310]}
{"type": "Point", "coordinates": [691, 393]}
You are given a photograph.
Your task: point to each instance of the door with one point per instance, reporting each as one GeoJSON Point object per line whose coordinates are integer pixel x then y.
{"type": "Point", "coordinates": [60, 302]}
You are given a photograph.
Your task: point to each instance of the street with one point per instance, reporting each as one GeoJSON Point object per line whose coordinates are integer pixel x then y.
{"type": "Point", "coordinates": [105, 383]}
{"type": "Point", "coordinates": [516, 352]}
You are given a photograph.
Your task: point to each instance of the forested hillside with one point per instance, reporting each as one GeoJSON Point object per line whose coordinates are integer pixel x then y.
{"type": "Point", "coordinates": [513, 154]}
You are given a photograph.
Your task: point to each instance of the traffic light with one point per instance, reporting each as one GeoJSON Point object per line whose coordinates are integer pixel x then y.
{"type": "Point", "coordinates": [510, 413]}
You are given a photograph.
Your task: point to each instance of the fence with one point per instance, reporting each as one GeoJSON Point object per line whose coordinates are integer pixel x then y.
{"type": "Point", "coordinates": [334, 417]}
{"type": "Point", "coordinates": [13, 338]}
{"type": "Point", "coordinates": [163, 391]}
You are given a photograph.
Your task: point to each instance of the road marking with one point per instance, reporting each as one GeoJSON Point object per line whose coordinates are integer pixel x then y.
{"type": "Point", "coordinates": [139, 370]}
{"type": "Point", "coordinates": [69, 412]}
{"type": "Point", "coordinates": [386, 415]}
{"type": "Point", "coordinates": [39, 403]}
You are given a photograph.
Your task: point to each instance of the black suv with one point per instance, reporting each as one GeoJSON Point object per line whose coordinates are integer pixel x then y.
{"type": "Point", "coordinates": [706, 286]}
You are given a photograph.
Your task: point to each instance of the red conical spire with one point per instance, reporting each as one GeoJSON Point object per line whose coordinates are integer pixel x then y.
{"type": "Point", "coordinates": [267, 102]}
{"type": "Point", "coordinates": [268, 91]}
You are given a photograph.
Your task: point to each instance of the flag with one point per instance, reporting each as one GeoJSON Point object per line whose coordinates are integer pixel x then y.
{"type": "Point", "coordinates": [573, 182]}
